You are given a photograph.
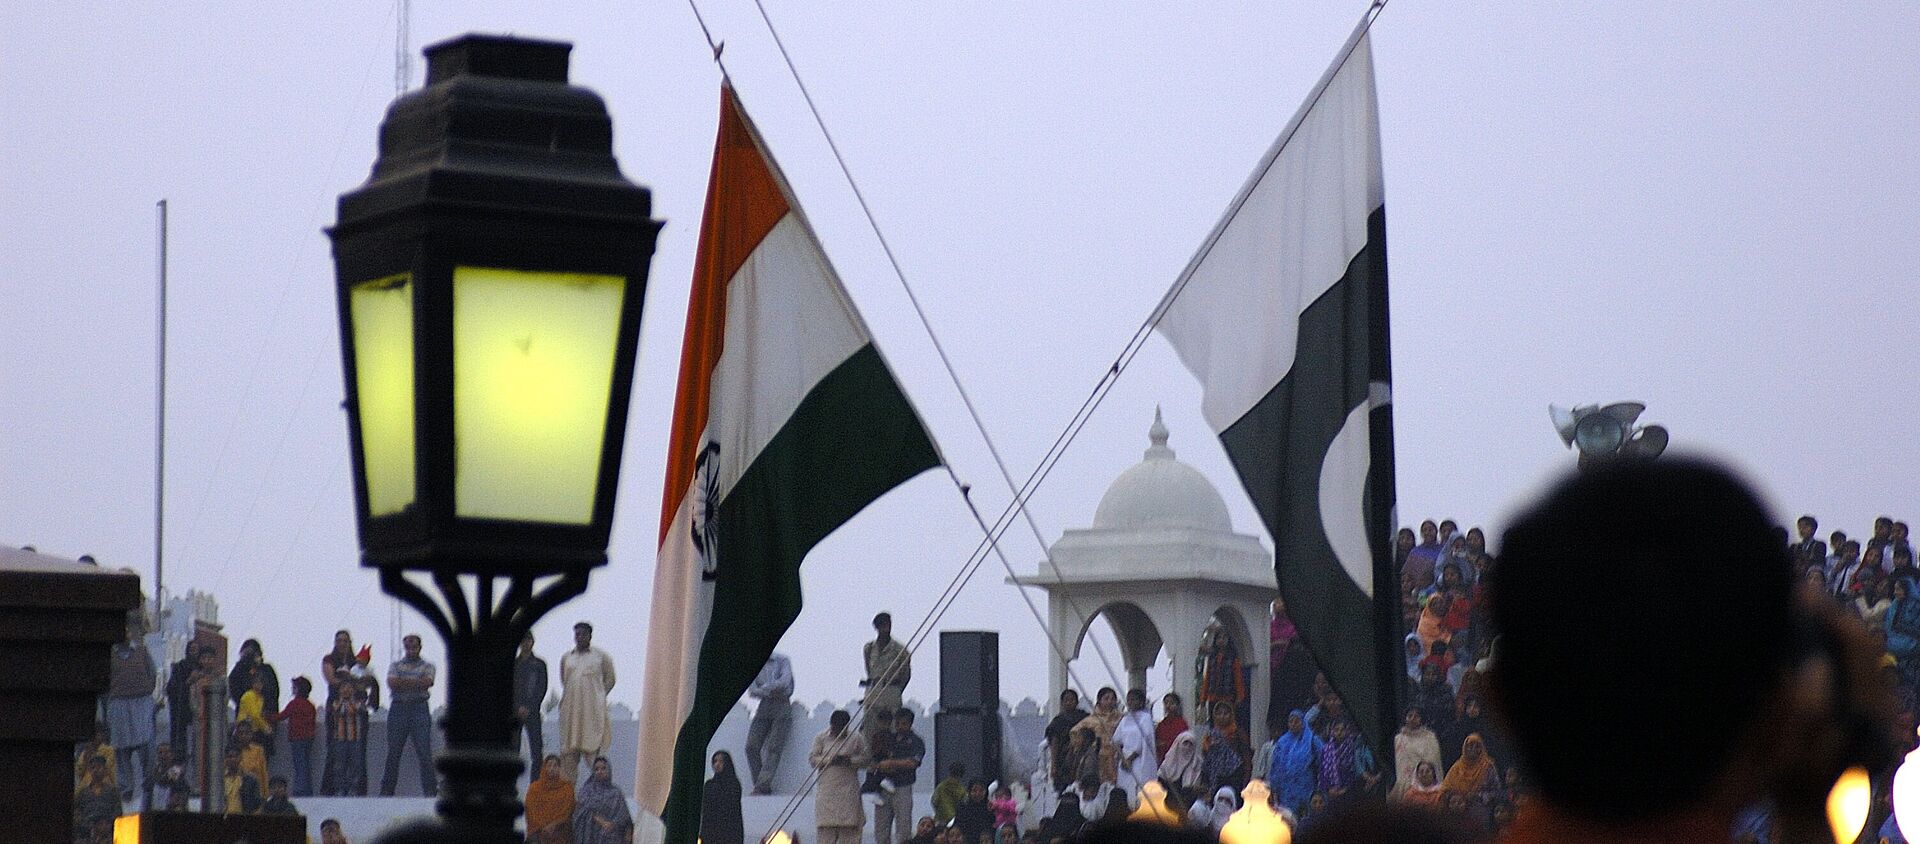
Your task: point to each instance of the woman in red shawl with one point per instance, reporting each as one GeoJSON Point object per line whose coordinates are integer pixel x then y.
{"type": "Point", "coordinates": [1172, 724]}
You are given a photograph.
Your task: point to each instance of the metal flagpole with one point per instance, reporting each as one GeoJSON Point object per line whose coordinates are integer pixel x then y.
{"type": "Point", "coordinates": [160, 438]}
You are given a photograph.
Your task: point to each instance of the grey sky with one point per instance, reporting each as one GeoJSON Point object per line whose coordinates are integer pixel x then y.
{"type": "Point", "coordinates": [1708, 207]}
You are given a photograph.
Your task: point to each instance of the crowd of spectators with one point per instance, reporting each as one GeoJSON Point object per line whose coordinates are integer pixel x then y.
{"type": "Point", "coordinates": [128, 767]}
{"type": "Point", "coordinates": [1450, 756]}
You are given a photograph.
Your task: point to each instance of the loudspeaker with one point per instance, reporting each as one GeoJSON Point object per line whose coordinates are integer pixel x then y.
{"type": "Point", "coordinates": [969, 738]}
{"type": "Point", "coordinates": [970, 672]}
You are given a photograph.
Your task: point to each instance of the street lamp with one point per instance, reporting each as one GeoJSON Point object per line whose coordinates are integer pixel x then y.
{"type": "Point", "coordinates": [1604, 433]}
{"type": "Point", "coordinates": [491, 274]}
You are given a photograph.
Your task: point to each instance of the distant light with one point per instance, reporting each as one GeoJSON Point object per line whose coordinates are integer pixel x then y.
{"type": "Point", "coordinates": [126, 829]}
{"type": "Point", "coordinates": [1906, 795]}
{"type": "Point", "coordinates": [780, 836]}
{"type": "Point", "coordinates": [1153, 806]}
{"type": "Point", "coordinates": [1256, 822]}
{"type": "Point", "coordinates": [1849, 803]}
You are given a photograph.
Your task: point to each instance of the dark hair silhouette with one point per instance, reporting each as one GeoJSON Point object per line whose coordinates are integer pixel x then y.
{"type": "Point", "coordinates": [1676, 562]}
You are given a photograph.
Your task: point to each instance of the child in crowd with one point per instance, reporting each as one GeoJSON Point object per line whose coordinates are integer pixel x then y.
{"type": "Point", "coordinates": [330, 832]}
{"type": "Point", "coordinates": [169, 777]}
{"type": "Point", "coordinates": [1006, 812]}
{"type": "Point", "coordinates": [251, 709]}
{"type": "Point", "coordinates": [277, 802]}
{"type": "Point", "coordinates": [974, 816]}
{"type": "Point", "coordinates": [300, 715]}
{"type": "Point", "coordinates": [253, 758]}
{"type": "Point", "coordinates": [948, 793]}
{"type": "Point", "coordinates": [242, 790]}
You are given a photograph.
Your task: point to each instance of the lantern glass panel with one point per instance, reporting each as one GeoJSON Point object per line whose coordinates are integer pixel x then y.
{"type": "Point", "coordinates": [533, 360]}
{"type": "Point", "coordinates": [382, 312]}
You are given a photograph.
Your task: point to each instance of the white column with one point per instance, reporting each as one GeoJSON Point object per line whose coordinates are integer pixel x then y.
{"type": "Point", "coordinates": [1180, 628]}
{"type": "Point", "coordinates": [1256, 615]}
{"type": "Point", "coordinates": [1063, 630]}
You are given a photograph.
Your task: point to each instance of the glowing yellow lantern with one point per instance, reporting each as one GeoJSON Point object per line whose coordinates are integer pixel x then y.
{"type": "Point", "coordinates": [1153, 806]}
{"type": "Point", "coordinates": [1906, 794]}
{"type": "Point", "coordinates": [490, 286]}
{"type": "Point", "coordinates": [1849, 803]}
{"type": "Point", "coordinates": [1256, 822]}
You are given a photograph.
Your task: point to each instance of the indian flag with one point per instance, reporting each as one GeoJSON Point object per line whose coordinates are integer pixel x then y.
{"type": "Point", "coordinates": [787, 423]}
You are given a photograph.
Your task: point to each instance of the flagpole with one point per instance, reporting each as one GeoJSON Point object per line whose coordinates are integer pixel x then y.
{"type": "Point", "coordinates": [160, 435]}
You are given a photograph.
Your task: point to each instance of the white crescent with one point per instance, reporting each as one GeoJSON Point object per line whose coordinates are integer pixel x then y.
{"type": "Point", "coordinates": [1343, 487]}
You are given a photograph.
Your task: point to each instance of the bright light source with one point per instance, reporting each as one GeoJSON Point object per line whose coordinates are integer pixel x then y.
{"type": "Point", "coordinates": [383, 373]}
{"type": "Point", "coordinates": [1906, 795]}
{"type": "Point", "coordinates": [533, 358]}
{"type": "Point", "coordinates": [126, 829]}
{"type": "Point", "coordinates": [1153, 806]}
{"type": "Point", "coordinates": [1849, 803]}
{"type": "Point", "coordinates": [1256, 822]}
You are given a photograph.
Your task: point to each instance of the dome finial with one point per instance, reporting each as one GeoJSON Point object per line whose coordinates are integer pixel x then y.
{"type": "Point", "coordinates": [1157, 434]}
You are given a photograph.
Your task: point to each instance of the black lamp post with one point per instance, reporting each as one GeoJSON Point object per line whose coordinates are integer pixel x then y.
{"type": "Point", "coordinates": [491, 276]}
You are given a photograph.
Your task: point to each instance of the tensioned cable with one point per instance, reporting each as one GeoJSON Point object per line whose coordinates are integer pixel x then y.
{"type": "Point", "coordinates": [253, 373]}
{"type": "Point", "coordinates": [293, 544]}
{"type": "Point", "coordinates": [954, 586]}
{"type": "Point", "coordinates": [926, 324]}
{"type": "Point", "coordinates": [1129, 351]}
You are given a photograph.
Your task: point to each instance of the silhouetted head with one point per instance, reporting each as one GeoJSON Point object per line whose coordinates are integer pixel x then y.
{"type": "Point", "coordinates": [1632, 549]}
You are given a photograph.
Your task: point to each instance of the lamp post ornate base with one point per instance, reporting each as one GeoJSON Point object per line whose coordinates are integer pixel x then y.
{"type": "Point", "coordinates": [479, 799]}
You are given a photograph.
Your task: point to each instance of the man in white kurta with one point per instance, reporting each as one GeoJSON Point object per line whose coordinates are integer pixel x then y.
{"type": "Point", "coordinates": [838, 754]}
{"type": "Point", "coordinates": [586, 676]}
{"type": "Point", "coordinates": [1134, 739]}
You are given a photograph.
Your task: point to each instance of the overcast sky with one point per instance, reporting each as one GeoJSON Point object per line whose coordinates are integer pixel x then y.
{"type": "Point", "coordinates": [1709, 207]}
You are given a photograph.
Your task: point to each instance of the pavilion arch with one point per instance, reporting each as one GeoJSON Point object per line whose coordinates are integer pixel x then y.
{"type": "Point", "coordinates": [1138, 637]}
{"type": "Point", "coordinates": [1160, 561]}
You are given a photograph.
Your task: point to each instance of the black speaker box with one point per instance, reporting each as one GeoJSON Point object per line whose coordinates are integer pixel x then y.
{"type": "Point", "coordinates": [969, 738]}
{"type": "Point", "coordinates": [969, 672]}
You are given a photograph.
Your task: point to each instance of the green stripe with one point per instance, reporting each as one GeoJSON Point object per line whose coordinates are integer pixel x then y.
{"type": "Point", "coordinates": [1278, 448]}
{"type": "Point", "coordinates": [853, 438]}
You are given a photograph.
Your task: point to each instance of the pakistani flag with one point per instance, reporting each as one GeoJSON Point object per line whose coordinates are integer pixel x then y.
{"type": "Point", "coordinates": [787, 423]}
{"type": "Point", "coordinates": [1283, 317]}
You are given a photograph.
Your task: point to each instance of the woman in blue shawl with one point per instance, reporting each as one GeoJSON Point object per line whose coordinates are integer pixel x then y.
{"type": "Point", "coordinates": [1902, 623]}
{"type": "Point", "coordinates": [1296, 758]}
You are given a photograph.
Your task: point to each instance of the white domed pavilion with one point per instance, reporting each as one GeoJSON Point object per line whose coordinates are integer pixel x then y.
{"type": "Point", "coordinates": [1161, 561]}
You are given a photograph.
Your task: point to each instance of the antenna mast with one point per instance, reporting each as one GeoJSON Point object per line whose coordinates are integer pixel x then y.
{"type": "Point", "coordinates": [402, 80]}
{"type": "Point", "coordinates": [402, 46]}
